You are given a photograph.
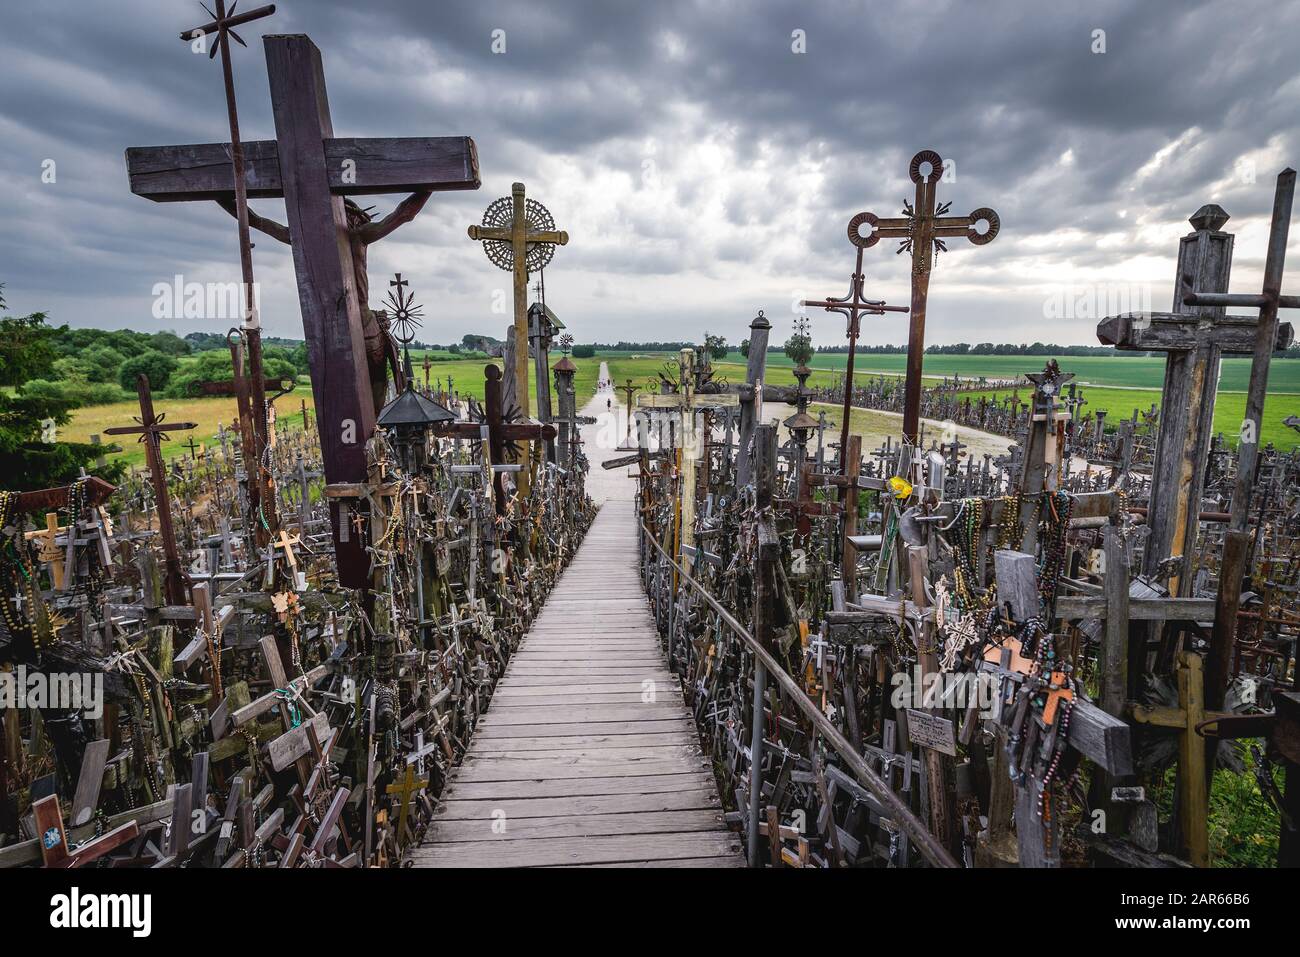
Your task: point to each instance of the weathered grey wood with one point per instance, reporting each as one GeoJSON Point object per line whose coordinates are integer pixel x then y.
{"type": "Point", "coordinates": [295, 744]}
{"type": "Point", "coordinates": [89, 781]}
{"type": "Point", "coordinates": [580, 805]}
{"type": "Point", "coordinates": [1101, 737]}
{"type": "Point", "coordinates": [584, 825]}
{"type": "Point", "coordinates": [568, 728]}
{"type": "Point", "coordinates": [1017, 578]}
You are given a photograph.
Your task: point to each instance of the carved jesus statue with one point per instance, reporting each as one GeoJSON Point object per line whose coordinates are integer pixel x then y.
{"type": "Point", "coordinates": [381, 351]}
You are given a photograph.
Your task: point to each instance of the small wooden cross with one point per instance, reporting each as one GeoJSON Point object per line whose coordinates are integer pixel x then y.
{"type": "Point", "coordinates": [407, 788]}
{"type": "Point", "coordinates": [50, 552]}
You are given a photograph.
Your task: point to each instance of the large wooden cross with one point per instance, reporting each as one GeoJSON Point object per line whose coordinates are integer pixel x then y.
{"type": "Point", "coordinates": [1233, 566]}
{"type": "Point", "coordinates": [1193, 339]}
{"type": "Point", "coordinates": [313, 170]}
{"type": "Point", "coordinates": [153, 433]}
{"type": "Point", "coordinates": [922, 229]}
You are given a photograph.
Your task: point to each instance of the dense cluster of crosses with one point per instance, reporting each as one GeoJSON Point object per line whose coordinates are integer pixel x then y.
{"type": "Point", "coordinates": [296, 623]}
{"type": "Point", "coordinates": [910, 658]}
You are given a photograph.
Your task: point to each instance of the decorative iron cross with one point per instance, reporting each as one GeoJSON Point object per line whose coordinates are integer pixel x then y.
{"type": "Point", "coordinates": [519, 235]}
{"type": "Point", "coordinates": [922, 229]}
{"type": "Point", "coordinates": [261, 490]}
{"type": "Point", "coordinates": [852, 307]}
{"type": "Point", "coordinates": [153, 433]}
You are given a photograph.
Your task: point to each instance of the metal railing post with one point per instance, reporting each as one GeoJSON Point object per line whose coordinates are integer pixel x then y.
{"type": "Point", "coordinates": [756, 761]}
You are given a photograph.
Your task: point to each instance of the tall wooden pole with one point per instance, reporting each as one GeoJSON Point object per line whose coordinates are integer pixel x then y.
{"type": "Point", "coordinates": [1232, 568]}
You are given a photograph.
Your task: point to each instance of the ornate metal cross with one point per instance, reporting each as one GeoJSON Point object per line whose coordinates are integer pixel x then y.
{"type": "Point", "coordinates": [519, 236]}
{"type": "Point", "coordinates": [852, 307]}
{"type": "Point", "coordinates": [922, 229]}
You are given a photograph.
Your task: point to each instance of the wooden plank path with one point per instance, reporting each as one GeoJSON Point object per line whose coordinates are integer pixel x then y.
{"type": "Point", "coordinates": [587, 755]}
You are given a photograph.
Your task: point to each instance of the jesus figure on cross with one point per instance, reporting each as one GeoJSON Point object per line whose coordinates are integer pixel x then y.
{"type": "Point", "coordinates": [381, 351]}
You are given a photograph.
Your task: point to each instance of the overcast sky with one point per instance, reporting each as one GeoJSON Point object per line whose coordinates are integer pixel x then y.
{"type": "Point", "coordinates": [703, 167]}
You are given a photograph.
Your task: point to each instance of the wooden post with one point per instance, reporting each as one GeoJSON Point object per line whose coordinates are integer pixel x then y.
{"type": "Point", "coordinates": [688, 448]}
{"type": "Point", "coordinates": [751, 408]}
{"type": "Point", "coordinates": [940, 768]}
{"type": "Point", "coordinates": [769, 551]}
{"type": "Point", "coordinates": [322, 258]}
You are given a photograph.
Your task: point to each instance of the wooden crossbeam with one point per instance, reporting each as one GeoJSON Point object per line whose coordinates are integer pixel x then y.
{"type": "Point", "coordinates": [353, 167]}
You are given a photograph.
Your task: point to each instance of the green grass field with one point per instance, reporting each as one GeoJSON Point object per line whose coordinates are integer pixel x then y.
{"type": "Point", "coordinates": [1122, 386]}
{"type": "Point", "coordinates": [1229, 410]}
{"type": "Point", "coordinates": [1134, 372]}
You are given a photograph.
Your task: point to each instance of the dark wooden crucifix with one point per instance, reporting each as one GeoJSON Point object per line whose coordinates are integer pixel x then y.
{"type": "Point", "coordinates": [313, 170]}
{"type": "Point", "coordinates": [629, 393]}
{"type": "Point", "coordinates": [153, 433]}
{"type": "Point", "coordinates": [502, 432]}
{"type": "Point", "coordinates": [922, 229]}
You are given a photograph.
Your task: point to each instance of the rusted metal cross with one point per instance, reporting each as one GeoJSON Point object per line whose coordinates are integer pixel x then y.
{"type": "Point", "coordinates": [922, 229]}
{"type": "Point", "coordinates": [853, 307]}
{"type": "Point", "coordinates": [153, 433]}
{"type": "Point", "coordinates": [254, 430]}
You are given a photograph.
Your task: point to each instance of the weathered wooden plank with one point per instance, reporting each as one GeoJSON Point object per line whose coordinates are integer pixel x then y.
{"type": "Point", "coordinates": [577, 787]}
{"type": "Point", "coordinates": [668, 722]}
{"type": "Point", "coordinates": [203, 171]}
{"type": "Point", "coordinates": [579, 825]}
{"type": "Point", "coordinates": [649, 711]}
{"type": "Point", "coordinates": [552, 770]}
{"type": "Point", "coordinates": [679, 738]}
{"type": "Point", "coordinates": [481, 809]}
{"type": "Point", "coordinates": [553, 852]}
{"type": "Point", "coordinates": [600, 752]}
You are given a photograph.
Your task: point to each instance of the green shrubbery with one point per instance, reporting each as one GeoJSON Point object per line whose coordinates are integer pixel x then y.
{"type": "Point", "coordinates": [157, 366]}
{"type": "Point", "coordinates": [215, 367]}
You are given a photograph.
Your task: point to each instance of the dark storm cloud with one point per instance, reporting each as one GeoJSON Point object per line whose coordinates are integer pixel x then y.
{"type": "Point", "coordinates": [703, 169]}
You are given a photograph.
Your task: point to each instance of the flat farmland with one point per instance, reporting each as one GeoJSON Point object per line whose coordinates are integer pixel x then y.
{"type": "Point", "coordinates": [1133, 372]}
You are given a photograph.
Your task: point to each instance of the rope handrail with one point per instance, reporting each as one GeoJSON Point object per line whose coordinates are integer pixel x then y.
{"type": "Point", "coordinates": [931, 849]}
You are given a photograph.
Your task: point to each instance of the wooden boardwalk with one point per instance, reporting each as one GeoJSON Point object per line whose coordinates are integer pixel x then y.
{"type": "Point", "coordinates": [587, 755]}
